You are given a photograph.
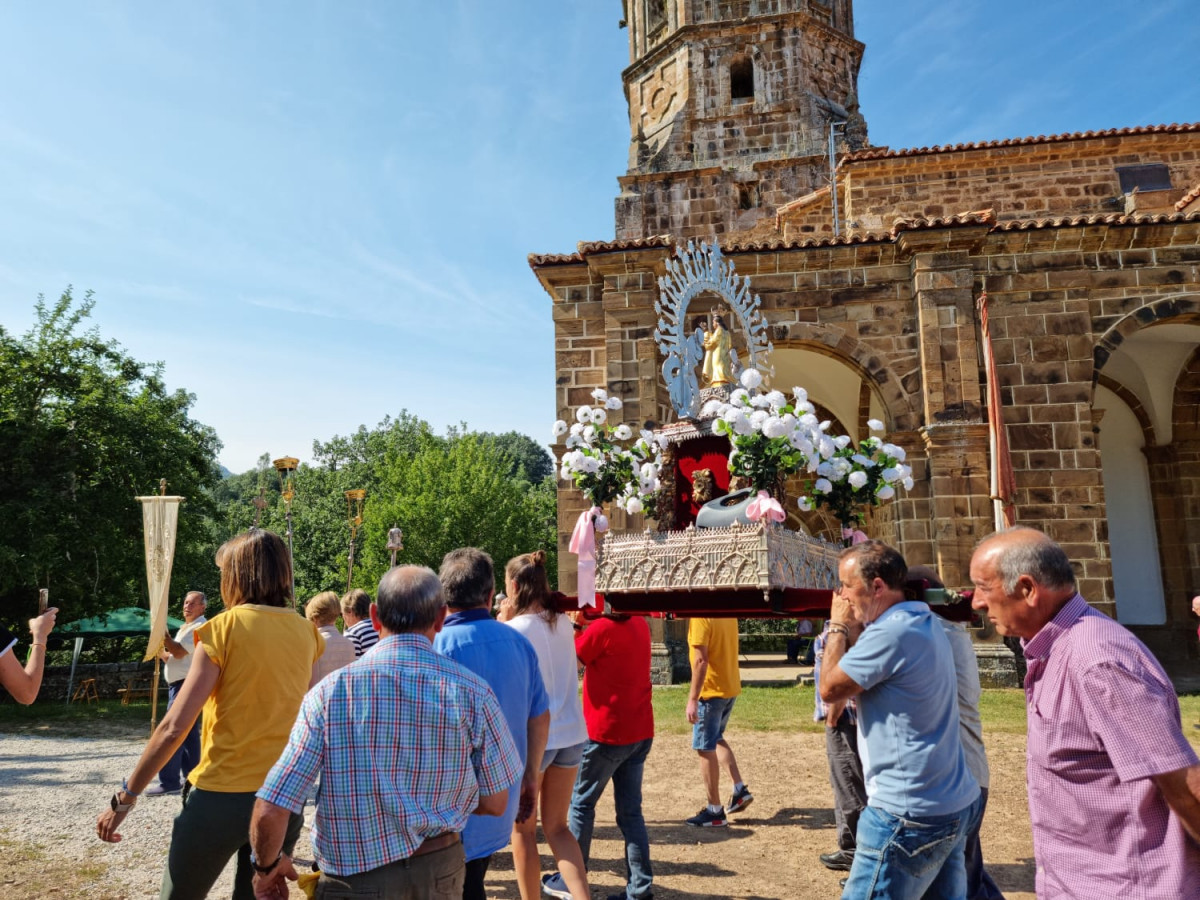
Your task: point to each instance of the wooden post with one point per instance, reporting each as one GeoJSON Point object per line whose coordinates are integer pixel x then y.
{"type": "Point", "coordinates": [154, 695]}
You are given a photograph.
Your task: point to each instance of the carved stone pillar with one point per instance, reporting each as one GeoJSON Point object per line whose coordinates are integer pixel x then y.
{"type": "Point", "coordinates": [960, 505]}
{"type": "Point", "coordinates": [943, 283]}
{"type": "Point", "coordinates": [955, 433]}
{"type": "Point", "coordinates": [1176, 544]}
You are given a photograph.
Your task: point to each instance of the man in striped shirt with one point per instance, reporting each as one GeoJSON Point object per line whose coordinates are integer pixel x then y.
{"type": "Point", "coordinates": [1114, 787]}
{"type": "Point", "coordinates": [407, 743]}
{"type": "Point", "coordinates": [356, 613]}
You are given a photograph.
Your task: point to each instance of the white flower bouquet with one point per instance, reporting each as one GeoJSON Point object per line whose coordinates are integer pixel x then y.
{"type": "Point", "coordinates": [605, 461]}
{"type": "Point", "coordinates": [775, 436]}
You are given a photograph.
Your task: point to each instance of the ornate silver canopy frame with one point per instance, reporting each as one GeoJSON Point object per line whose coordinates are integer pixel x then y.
{"type": "Point", "coordinates": [694, 271]}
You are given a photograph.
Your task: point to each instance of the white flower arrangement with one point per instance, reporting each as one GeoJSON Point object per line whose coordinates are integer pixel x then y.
{"type": "Point", "coordinates": [601, 467]}
{"type": "Point", "coordinates": [773, 438]}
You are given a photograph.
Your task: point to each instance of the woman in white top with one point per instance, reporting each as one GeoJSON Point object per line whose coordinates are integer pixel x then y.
{"type": "Point", "coordinates": [323, 611]}
{"type": "Point", "coordinates": [527, 607]}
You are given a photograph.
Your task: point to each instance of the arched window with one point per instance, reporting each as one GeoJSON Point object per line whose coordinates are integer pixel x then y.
{"type": "Point", "coordinates": [656, 16]}
{"type": "Point", "coordinates": [741, 80]}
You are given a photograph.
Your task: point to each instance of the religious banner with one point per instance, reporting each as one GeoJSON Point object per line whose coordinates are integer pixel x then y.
{"type": "Point", "coordinates": [159, 517]}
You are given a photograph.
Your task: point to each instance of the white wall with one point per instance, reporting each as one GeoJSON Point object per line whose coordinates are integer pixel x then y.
{"type": "Point", "coordinates": [1137, 577]}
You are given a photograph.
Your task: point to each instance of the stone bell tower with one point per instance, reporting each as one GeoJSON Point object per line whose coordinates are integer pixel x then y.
{"type": "Point", "coordinates": [730, 108]}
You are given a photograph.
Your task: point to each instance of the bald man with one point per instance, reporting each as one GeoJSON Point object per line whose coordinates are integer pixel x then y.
{"type": "Point", "coordinates": [1114, 787]}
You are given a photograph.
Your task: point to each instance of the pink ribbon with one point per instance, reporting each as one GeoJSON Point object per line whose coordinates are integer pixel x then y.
{"type": "Point", "coordinates": [764, 506]}
{"type": "Point", "coordinates": [583, 545]}
{"type": "Point", "coordinates": [855, 536]}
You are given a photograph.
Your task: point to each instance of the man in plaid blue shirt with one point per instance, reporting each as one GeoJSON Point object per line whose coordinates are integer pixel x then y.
{"type": "Point", "coordinates": [407, 744]}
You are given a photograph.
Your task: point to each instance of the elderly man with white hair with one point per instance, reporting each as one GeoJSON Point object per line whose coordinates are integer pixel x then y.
{"type": "Point", "coordinates": [1114, 786]}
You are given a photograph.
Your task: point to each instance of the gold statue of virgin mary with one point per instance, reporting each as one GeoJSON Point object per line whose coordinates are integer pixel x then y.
{"type": "Point", "coordinates": [718, 361]}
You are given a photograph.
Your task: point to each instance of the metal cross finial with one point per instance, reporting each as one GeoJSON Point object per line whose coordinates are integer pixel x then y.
{"type": "Point", "coordinates": [260, 503]}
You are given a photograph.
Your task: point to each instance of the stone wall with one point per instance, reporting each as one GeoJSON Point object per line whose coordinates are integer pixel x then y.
{"type": "Point", "coordinates": [110, 677]}
{"type": "Point", "coordinates": [997, 666]}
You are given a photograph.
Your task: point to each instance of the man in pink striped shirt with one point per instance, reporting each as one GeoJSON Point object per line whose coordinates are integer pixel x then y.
{"type": "Point", "coordinates": [1114, 787]}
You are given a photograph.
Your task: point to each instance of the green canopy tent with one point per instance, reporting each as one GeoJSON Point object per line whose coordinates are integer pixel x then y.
{"type": "Point", "coordinates": [128, 621]}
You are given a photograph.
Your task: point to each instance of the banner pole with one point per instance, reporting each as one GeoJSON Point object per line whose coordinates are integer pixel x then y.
{"type": "Point", "coordinates": [154, 696]}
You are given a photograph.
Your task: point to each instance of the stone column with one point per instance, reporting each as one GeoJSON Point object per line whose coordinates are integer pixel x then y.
{"type": "Point", "coordinates": [955, 434]}
{"type": "Point", "coordinates": [961, 508]}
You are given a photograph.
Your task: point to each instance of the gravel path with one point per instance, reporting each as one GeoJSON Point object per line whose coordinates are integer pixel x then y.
{"type": "Point", "coordinates": [52, 789]}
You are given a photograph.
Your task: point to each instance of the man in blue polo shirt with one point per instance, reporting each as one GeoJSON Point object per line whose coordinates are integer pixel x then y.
{"type": "Point", "coordinates": [892, 655]}
{"type": "Point", "coordinates": [505, 659]}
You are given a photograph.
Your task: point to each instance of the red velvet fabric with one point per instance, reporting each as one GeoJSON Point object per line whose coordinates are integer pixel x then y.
{"type": "Point", "coordinates": [709, 452]}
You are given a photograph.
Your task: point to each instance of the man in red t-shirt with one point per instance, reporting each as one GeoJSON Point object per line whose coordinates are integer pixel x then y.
{"type": "Point", "coordinates": [615, 651]}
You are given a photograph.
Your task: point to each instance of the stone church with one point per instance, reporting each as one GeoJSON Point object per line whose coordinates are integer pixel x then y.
{"type": "Point", "coordinates": [745, 129]}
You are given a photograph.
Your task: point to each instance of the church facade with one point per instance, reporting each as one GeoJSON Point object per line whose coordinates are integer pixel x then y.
{"type": "Point", "coordinates": [1086, 245]}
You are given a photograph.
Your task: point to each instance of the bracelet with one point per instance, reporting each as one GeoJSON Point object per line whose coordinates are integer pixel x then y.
{"type": "Point", "coordinates": [37, 644]}
{"type": "Point", "coordinates": [263, 870]}
{"type": "Point", "coordinates": [125, 788]}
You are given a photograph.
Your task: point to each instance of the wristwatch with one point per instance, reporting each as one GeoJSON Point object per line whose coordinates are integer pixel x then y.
{"type": "Point", "coordinates": [263, 870]}
{"type": "Point", "coordinates": [118, 806]}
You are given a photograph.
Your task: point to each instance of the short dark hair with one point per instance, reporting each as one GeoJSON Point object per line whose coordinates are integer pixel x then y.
{"type": "Point", "coordinates": [875, 559]}
{"type": "Point", "coordinates": [467, 577]}
{"type": "Point", "coordinates": [409, 599]}
{"type": "Point", "coordinates": [357, 602]}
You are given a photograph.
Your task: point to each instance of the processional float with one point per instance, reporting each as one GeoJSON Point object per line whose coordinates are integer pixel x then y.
{"type": "Point", "coordinates": [713, 481]}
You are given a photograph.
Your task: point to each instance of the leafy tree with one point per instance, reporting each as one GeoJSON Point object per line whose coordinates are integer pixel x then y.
{"type": "Point", "coordinates": [85, 428]}
{"type": "Point", "coordinates": [445, 492]}
{"type": "Point", "coordinates": [530, 459]}
{"type": "Point", "coordinates": [456, 492]}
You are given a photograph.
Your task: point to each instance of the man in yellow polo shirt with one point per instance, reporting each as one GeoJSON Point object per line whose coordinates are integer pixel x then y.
{"type": "Point", "coordinates": [716, 683]}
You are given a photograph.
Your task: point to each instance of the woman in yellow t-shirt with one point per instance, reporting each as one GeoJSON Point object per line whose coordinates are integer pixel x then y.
{"type": "Point", "coordinates": [258, 661]}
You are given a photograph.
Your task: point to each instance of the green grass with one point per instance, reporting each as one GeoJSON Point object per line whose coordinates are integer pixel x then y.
{"type": "Point", "coordinates": [790, 708]}
{"type": "Point", "coordinates": [79, 719]}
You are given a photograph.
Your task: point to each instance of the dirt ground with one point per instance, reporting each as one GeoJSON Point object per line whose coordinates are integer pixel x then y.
{"type": "Point", "coordinates": [770, 851]}
{"type": "Point", "coordinates": [56, 786]}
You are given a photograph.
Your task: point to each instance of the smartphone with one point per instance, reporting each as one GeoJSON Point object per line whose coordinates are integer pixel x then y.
{"type": "Point", "coordinates": [43, 601]}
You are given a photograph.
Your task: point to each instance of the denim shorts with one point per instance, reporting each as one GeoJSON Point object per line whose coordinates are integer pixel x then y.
{"type": "Point", "coordinates": [712, 715]}
{"type": "Point", "coordinates": [564, 757]}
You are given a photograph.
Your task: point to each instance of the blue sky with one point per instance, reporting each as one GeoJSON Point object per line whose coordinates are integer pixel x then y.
{"type": "Point", "coordinates": [318, 214]}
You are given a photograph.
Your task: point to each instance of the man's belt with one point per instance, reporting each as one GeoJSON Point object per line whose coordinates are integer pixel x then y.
{"type": "Point", "coordinates": [436, 843]}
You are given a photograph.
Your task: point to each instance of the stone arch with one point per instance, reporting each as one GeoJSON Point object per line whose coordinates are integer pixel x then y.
{"type": "Point", "coordinates": [1134, 404]}
{"type": "Point", "coordinates": [1184, 309]}
{"type": "Point", "coordinates": [904, 413]}
{"type": "Point", "coordinates": [1150, 359]}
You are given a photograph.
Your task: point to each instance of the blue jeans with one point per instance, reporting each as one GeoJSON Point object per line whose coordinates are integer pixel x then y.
{"type": "Point", "coordinates": [623, 764]}
{"type": "Point", "coordinates": [979, 883]}
{"type": "Point", "coordinates": [903, 859]}
{"type": "Point", "coordinates": [184, 759]}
